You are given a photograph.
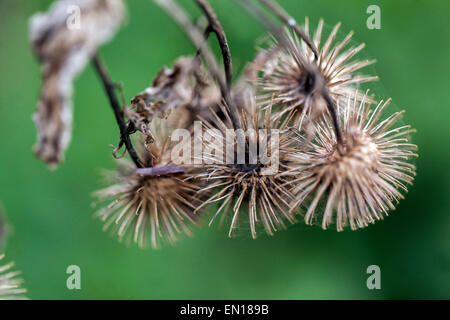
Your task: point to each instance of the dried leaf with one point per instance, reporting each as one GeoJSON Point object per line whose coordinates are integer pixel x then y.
{"type": "Point", "coordinates": [64, 39]}
{"type": "Point", "coordinates": [171, 88]}
{"type": "Point", "coordinates": [183, 92]}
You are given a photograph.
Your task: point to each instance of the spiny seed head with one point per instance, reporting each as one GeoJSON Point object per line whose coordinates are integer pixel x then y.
{"type": "Point", "coordinates": [251, 192]}
{"type": "Point", "coordinates": [295, 88]}
{"type": "Point", "coordinates": [356, 183]}
{"type": "Point", "coordinates": [150, 207]}
{"type": "Point", "coordinates": [10, 284]}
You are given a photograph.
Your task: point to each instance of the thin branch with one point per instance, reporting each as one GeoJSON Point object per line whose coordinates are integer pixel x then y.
{"type": "Point", "coordinates": [289, 20]}
{"type": "Point", "coordinates": [276, 31]}
{"type": "Point", "coordinates": [215, 26]}
{"type": "Point", "coordinates": [206, 34]}
{"type": "Point", "coordinates": [331, 105]}
{"type": "Point", "coordinates": [197, 38]}
{"type": "Point", "coordinates": [118, 112]}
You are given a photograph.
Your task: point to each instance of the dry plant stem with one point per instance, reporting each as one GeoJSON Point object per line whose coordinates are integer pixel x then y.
{"type": "Point", "coordinates": [215, 26]}
{"type": "Point", "coordinates": [177, 13]}
{"type": "Point", "coordinates": [334, 116]}
{"type": "Point", "coordinates": [118, 112]}
{"type": "Point", "coordinates": [277, 32]}
{"type": "Point", "coordinates": [287, 19]}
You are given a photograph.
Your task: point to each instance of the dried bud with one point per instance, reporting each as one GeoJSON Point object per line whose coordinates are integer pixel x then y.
{"type": "Point", "coordinates": [64, 39]}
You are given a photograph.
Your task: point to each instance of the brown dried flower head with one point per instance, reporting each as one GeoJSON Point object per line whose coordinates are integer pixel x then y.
{"type": "Point", "coordinates": [156, 202]}
{"type": "Point", "coordinates": [294, 87]}
{"type": "Point", "coordinates": [250, 192]}
{"type": "Point", "coordinates": [10, 284]}
{"type": "Point", "coordinates": [356, 183]}
{"type": "Point", "coordinates": [63, 49]}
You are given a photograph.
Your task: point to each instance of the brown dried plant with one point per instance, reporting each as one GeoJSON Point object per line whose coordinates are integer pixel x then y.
{"type": "Point", "coordinates": [357, 182]}
{"type": "Point", "coordinates": [294, 88]}
{"type": "Point", "coordinates": [156, 202]}
{"type": "Point", "coordinates": [63, 51]}
{"type": "Point", "coordinates": [247, 191]}
{"type": "Point", "coordinates": [185, 90]}
{"type": "Point", "coordinates": [336, 158]}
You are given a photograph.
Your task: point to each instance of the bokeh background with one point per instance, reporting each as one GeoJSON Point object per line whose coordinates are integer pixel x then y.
{"type": "Point", "coordinates": [50, 213]}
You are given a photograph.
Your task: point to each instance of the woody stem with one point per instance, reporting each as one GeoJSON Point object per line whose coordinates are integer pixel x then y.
{"type": "Point", "coordinates": [331, 105]}
{"type": "Point", "coordinates": [287, 19]}
{"type": "Point", "coordinates": [118, 112]}
{"type": "Point", "coordinates": [215, 26]}
{"type": "Point", "coordinates": [178, 14]}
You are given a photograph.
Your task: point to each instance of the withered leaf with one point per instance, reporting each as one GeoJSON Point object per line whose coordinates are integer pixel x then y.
{"type": "Point", "coordinates": [64, 39]}
{"type": "Point", "coordinates": [181, 92]}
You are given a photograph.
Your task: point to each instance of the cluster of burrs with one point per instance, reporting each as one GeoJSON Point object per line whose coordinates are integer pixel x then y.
{"type": "Point", "coordinates": [340, 158]}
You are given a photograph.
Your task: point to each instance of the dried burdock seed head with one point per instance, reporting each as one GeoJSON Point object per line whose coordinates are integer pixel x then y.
{"type": "Point", "coordinates": [248, 169]}
{"type": "Point", "coordinates": [358, 182]}
{"type": "Point", "coordinates": [64, 43]}
{"type": "Point", "coordinates": [153, 203]}
{"type": "Point", "coordinates": [296, 87]}
{"type": "Point", "coordinates": [10, 284]}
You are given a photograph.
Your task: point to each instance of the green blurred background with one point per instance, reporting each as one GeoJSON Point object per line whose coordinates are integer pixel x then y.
{"type": "Point", "coordinates": [50, 213]}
